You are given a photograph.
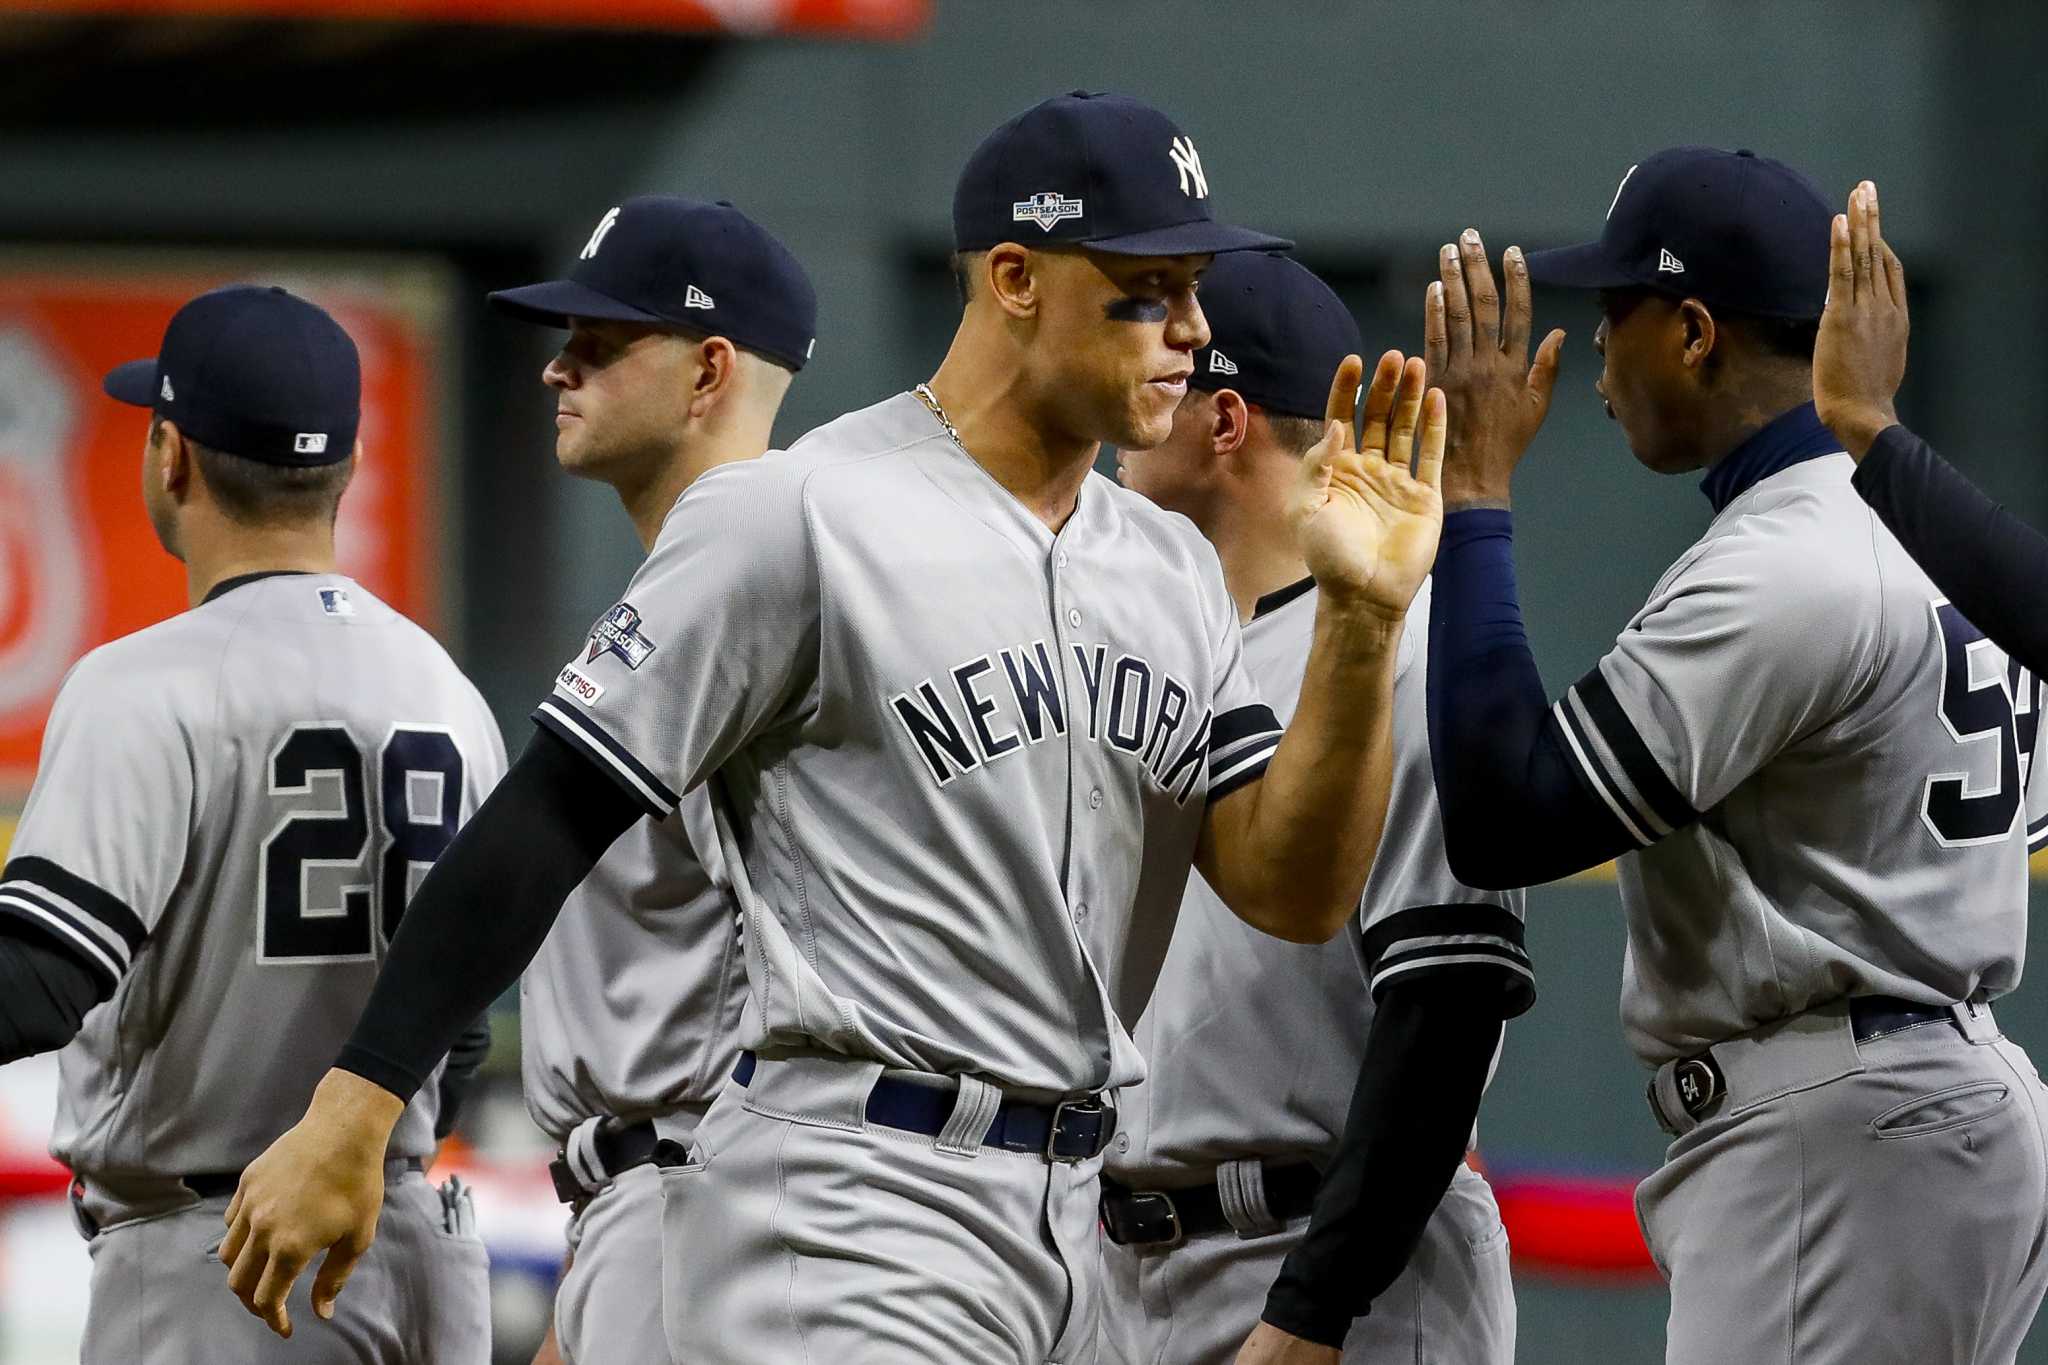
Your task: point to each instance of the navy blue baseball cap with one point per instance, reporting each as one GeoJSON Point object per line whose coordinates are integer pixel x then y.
{"type": "Point", "coordinates": [1732, 229]}
{"type": "Point", "coordinates": [252, 370]}
{"type": "Point", "coordinates": [1102, 171]}
{"type": "Point", "coordinates": [1277, 333]}
{"type": "Point", "coordinates": [674, 262]}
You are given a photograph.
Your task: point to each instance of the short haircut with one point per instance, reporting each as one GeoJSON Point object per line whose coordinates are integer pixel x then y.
{"type": "Point", "coordinates": [963, 273]}
{"type": "Point", "coordinates": [1781, 338]}
{"type": "Point", "coordinates": [257, 493]}
{"type": "Point", "coordinates": [1297, 434]}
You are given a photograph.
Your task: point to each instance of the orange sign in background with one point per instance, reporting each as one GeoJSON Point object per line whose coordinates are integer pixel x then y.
{"type": "Point", "coordinates": [859, 18]}
{"type": "Point", "coordinates": [79, 562]}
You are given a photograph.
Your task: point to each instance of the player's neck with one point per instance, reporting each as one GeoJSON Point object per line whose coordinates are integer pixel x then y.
{"type": "Point", "coordinates": [1259, 557]}
{"type": "Point", "coordinates": [985, 399]}
{"type": "Point", "coordinates": [649, 499]}
{"type": "Point", "coordinates": [215, 553]}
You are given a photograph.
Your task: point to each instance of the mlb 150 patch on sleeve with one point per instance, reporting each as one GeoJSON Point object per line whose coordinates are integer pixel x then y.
{"type": "Point", "coordinates": [579, 685]}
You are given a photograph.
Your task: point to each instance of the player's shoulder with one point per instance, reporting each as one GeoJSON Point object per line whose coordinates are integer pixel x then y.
{"type": "Point", "coordinates": [1801, 539]}
{"type": "Point", "coordinates": [1170, 533]}
{"type": "Point", "coordinates": [164, 663]}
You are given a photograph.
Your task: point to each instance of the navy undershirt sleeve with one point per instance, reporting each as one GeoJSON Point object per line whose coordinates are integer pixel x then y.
{"type": "Point", "coordinates": [1517, 809]}
{"type": "Point", "coordinates": [464, 1060]}
{"type": "Point", "coordinates": [484, 910]}
{"type": "Point", "coordinates": [44, 995]}
{"type": "Point", "coordinates": [1411, 1116]}
{"type": "Point", "coordinates": [1987, 561]}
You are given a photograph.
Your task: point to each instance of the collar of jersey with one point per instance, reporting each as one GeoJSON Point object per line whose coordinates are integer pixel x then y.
{"type": "Point", "coordinates": [228, 585]}
{"type": "Point", "coordinates": [1786, 440]}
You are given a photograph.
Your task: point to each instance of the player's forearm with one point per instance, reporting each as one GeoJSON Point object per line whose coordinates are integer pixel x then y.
{"type": "Point", "coordinates": [1294, 862]}
{"type": "Point", "coordinates": [1515, 810]}
{"type": "Point", "coordinates": [1411, 1115]}
{"type": "Point", "coordinates": [483, 912]}
{"type": "Point", "coordinates": [44, 996]}
{"type": "Point", "coordinates": [1988, 562]}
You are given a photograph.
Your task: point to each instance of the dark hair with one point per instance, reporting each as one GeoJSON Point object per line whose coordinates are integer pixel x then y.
{"type": "Point", "coordinates": [963, 274]}
{"type": "Point", "coordinates": [1784, 338]}
{"type": "Point", "coordinates": [256, 493]}
{"type": "Point", "coordinates": [1297, 434]}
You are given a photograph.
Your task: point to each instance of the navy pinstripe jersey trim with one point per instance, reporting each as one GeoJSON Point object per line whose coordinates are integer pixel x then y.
{"type": "Point", "coordinates": [1241, 744]}
{"type": "Point", "coordinates": [1467, 937]}
{"type": "Point", "coordinates": [1626, 775]}
{"type": "Point", "coordinates": [2037, 834]}
{"type": "Point", "coordinates": [611, 757]}
{"type": "Point", "coordinates": [86, 922]}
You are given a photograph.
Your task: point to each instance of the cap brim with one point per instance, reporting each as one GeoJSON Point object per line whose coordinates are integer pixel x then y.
{"type": "Point", "coordinates": [133, 383]}
{"type": "Point", "coordinates": [1586, 266]}
{"type": "Point", "coordinates": [1199, 238]}
{"type": "Point", "coordinates": [552, 304]}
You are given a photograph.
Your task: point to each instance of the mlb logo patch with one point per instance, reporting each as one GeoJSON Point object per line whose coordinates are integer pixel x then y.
{"type": "Point", "coordinates": [618, 632]}
{"type": "Point", "coordinates": [334, 601]}
{"type": "Point", "coordinates": [1046, 209]}
{"type": "Point", "coordinates": [310, 443]}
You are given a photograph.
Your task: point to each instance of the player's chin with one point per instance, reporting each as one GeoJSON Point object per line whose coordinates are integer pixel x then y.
{"type": "Point", "coordinates": [1148, 421]}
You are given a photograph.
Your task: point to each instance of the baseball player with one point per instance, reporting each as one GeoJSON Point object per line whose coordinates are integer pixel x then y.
{"type": "Point", "coordinates": [1813, 768]}
{"type": "Point", "coordinates": [231, 811]}
{"type": "Point", "coordinates": [1987, 561]}
{"type": "Point", "coordinates": [1210, 1185]}
{"type": "Point", "coordinates": [969, 713]}
{"type": "Point", "coordinates": [686, 323]}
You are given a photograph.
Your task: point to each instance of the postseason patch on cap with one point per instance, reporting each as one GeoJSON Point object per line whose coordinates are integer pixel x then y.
{"type": "Point", "coordinates": [1046, 208]}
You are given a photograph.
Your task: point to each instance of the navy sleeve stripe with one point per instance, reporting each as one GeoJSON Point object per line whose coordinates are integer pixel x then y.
{"type": "Point", "coordinates": [1246, 768]}
{"type": "Point", "coordinates": [103, 906]}
{"type": "Point", "coordinates": [1241, 724]}
{"type": "Point", "coordinates": [611, 756]}
{"type": "Point", "coordinates": [1660, 797]}
{"type": "Point", "coordinates": [2037, 834]}
{"type": "Point", "coordinates": [1433, 921]}
{"type": "Point", "coordinates": [1483, 940]}
{"type": "Point", "coordinates": [51, 924]}
{"type": "Point", "coordinates": [1565, 722]}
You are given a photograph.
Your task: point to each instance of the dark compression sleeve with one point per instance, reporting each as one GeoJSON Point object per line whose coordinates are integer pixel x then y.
{"type": "Point", "coordinates": [464, 1058]}
{"type": "Point", "coordinates": [482, 913]}
{"type": "Point", "coordinates": [44, 995]}
{"type": "Point", "coordinates": [1517, 809]}
{"type": "Point", "coordinates": [1988, 561]}
{"type": "Point", "coordinates": [1411, 1115]}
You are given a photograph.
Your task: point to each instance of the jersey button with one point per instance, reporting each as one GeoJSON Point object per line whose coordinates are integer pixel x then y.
{"type": "Point", "coordinates": [1074, 617]}
{"type": "Point", "coordinates": [1095, 799]}
{"type": "Point", "coordinates": [1081, 912]}
{"type": "Point", "coordinates": [1123, 1142]}
{"type": "Point", "coordinates": [1060, 559]}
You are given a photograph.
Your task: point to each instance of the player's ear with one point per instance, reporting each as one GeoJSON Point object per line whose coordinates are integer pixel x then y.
{"type": "Point", "coordinates": [1230, 422]}
{"type": "Point", "coordinates": [717, 370]}
{"type": "Point", "coordinates": [1014, 276]}
{"type": "Point", "coordinates": [1697, 331]}
{"type": "Point", "coordinates": [176, 466]}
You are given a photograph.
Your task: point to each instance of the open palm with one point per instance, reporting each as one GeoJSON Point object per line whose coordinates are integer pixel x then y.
{"type": "Point", "coordinates": [1366, 525]}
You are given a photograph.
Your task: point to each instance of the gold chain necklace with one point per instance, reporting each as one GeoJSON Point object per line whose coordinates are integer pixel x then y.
{"type": "Point", "coordinates": [932, 405]}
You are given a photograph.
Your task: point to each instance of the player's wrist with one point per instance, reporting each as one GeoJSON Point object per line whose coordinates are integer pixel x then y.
{"type": "Point", "coordinates": [1858, 427]}
{"type": "Point", "coordinates": [357, 1111]}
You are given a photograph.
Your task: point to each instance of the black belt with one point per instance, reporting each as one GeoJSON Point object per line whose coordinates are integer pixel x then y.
{"type": "Point", "coordinates": [1870, 1016]}
{"type": "Point", "coordinates": [215, 1184]}
{"type": "Point", "coordinates": [618, 1148]}
{"type": "Point", "coordinates": [1166, 1218]}
{"type": "Point", "coordinates": [1073, 1130]}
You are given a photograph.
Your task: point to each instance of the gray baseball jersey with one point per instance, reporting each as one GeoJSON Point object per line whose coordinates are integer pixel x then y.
{"type": "Point", "coordinates": [632, 1006]}
{"type": "Point", "coordinates": [1825, 764]}
{"type": "Point", "coordinates": [1229, 1071]}
{"type": "Point", "coordinates": [231, 811]}
{"type": "Point", "coordinates": [961, 762]}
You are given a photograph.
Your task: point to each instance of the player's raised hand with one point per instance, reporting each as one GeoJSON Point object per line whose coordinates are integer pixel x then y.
{"type": "Point", "coordinates": [1271, 1346]}
{"type": "Point", "coordinates": [318, 1188]}
{"type": "Point", "coordinates": [1366, 524]}
{"type": "Point", "coordinates": [1859, 360]}
{"type": "Point", "coordinates": [1478, 354]}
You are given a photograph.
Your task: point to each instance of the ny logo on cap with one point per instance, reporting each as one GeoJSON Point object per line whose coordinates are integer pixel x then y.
{"type": "Point", "coordinates": [696, 298]}
{"type": "Point", "coordinates": [1188, 162]}
{"type": "Point", "coordinates": [1669, 264]}
{"type": "Point", "coordinates": [597, 235]}
{"type": "Point", "coordinates": [1220, 363]}
{"type": "Point", "coordinates": [1045, 209]}
{"type": "Point", "coordinates": [164, 391]}
{"type": "Point", "coordinates": [1617, 190]}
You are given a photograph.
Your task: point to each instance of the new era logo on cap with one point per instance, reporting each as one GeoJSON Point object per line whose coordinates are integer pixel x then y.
{"type": "Point", "coordinates": [1220, 363]}
{"type": "Point", "coordinates": [697, 298]}
{"type": "Point", "coordinates": [1669, 263]}
{"type": "Point", "coordinates": [1046, 209]}
{"type": "Point", "coordinates": [310, 443]}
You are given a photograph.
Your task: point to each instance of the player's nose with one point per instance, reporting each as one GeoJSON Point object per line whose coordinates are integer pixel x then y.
{"type": "Point", "coordinates": [559, 373]}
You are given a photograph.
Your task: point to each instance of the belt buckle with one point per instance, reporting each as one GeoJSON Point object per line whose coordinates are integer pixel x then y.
{"type": "Point", "coordinates": [1091, 1107]}
{"type": "Point", "coordinates": [568, 1189]}
{"type": "Point", "coordinates": [1698, 1082]}
{"type": "Point", "coordinates": [1147, 1207]}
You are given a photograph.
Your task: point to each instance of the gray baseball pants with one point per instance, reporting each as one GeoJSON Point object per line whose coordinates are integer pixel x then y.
{"type": "Point", "coordinates": [1856, 1202]}
{"type": "Point", "coordinates": [800, 1234]}
{"type": "Point", "coordinates": [1196, 1304]}
{"type": "Point", "coordinates": [420, 1294]}
{"type": "Point", "coordinates": [608, 1307]}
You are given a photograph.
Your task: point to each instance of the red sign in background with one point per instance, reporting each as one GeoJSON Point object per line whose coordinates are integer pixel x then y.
{"type": "Point", "coordinates": [79, 562]}
{"type": "Point", "coordinates": [859, 18]}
